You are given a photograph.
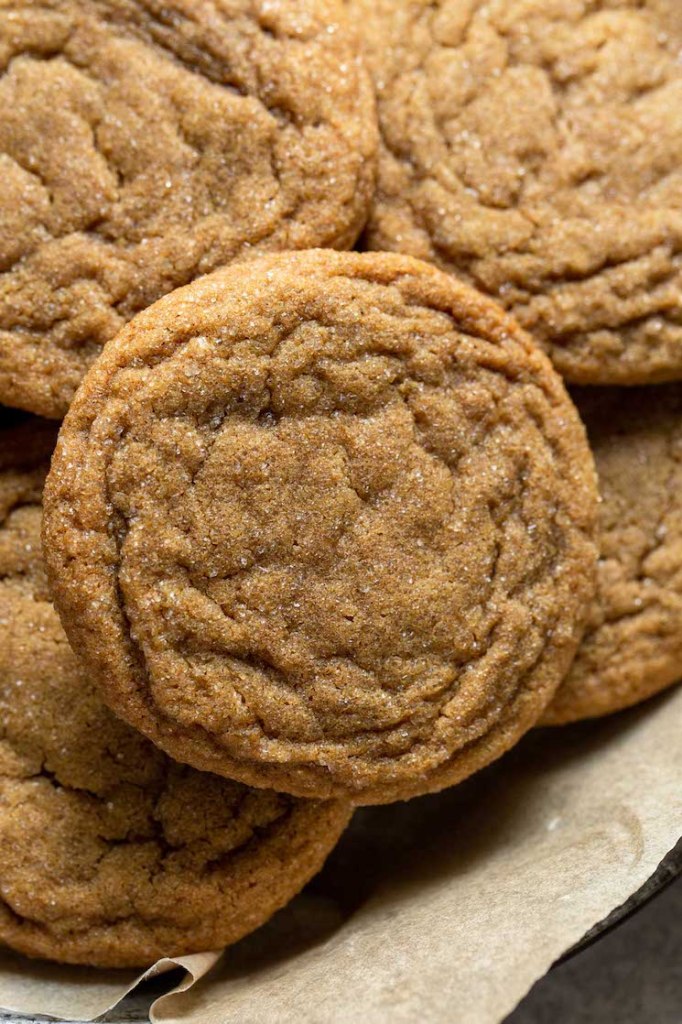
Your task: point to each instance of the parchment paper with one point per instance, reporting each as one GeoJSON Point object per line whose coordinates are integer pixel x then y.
{"type": "Point", "coordinates": [81, 993]}
{"type": "Point", "coordinates": [444, 910]}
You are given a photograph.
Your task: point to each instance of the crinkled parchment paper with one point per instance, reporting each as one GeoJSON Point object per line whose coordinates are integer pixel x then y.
{"type": "Point", "coordinates": [80, 993]}
{"type": "Point", "coordinates": [446, 909]}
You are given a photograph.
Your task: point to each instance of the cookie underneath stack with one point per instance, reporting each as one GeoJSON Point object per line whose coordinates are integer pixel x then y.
{"type": "Point", "coordinates": [632, 647]}
{"type": "Point", "coordinates": [534, 148]}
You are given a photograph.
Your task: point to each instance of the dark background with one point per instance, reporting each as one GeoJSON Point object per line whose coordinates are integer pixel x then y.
{"type": "Point", "coordinates": [631, 976]}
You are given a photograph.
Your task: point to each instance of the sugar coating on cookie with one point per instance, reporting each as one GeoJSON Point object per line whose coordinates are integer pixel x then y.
{"type": "Point", "coordinates": [324, 522]}
{"type": "Point", "coordinates": [143, 144]}
{"type": "Point", "coordinates": [110, 853]}
{"type": "Point", "coordinates": [632, 646]}
{"type": "Point", "coordinates": [534, 147]}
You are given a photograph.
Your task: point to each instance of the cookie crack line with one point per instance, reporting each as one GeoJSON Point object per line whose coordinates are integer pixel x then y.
{"type": "Point", "coordinates": [253, 659]}
{"type": "Point", "coordinates": [164, 43]}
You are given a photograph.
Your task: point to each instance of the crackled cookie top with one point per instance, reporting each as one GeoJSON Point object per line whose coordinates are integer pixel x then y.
{"type": "Point", "coordinates": [534, 147]}
{"type": "Point", "coordinates": [632, 646]}
{"type": "Point", "coordinates": [110, 853]}
{"type": "Point", "coordinates": [143, 144]}
{"type": "Point", "coordinates": [323, 522]}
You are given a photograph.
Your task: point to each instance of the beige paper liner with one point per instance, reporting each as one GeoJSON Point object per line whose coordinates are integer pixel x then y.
{"type": "Point", "coordinates": [445, 908]}
{"type": "Point", "coordinates": [82, 993]}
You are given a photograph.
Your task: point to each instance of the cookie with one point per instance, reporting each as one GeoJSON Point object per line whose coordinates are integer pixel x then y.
{"type": "Point", "coordinates": [323, 522]}
{"type": "Point", "coordinates": [534, 147]}
{"type": "Point", "coordinates": [112, 854]}
{"type": "Point", "coordinates": [632, 646]}
{"type": "Point", "coordinates": [143, 144]}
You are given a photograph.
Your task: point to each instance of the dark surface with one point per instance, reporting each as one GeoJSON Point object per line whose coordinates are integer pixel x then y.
{"type": "Point", "coordinates": [632, 975]}
{"type": "Point", "coordinates": [668, 871]}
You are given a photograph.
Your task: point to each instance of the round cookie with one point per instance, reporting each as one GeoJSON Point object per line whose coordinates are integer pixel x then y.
{"type": "Point", "coordinates": [534, 147]}
{"type": "Point", "coordinates": [632, 646]}
{"type": "Point", "coordinates": [143, 144]}
{"type": "Point", "coordinates": [323, 522]}
{"type": "Point", "coordinates": [111, 854]}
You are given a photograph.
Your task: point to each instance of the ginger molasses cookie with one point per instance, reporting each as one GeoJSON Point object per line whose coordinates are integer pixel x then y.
{"type": "Point", "coordinates": [323, 522]}
{"type": "Point", "coordinates": [143, 144]}
{"type": "Point", "coordinates": [534, 147]}
{"type": "Point", "coordinates": [110, 853]}
{"type": "Point", "coordinates": [632, 646]}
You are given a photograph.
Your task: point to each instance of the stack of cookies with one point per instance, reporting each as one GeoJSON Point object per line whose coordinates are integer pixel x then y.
{"type": "Point", "coordinates": [322, 527]}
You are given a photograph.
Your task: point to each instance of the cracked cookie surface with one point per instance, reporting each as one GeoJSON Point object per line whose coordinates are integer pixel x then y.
{"type": "Point", "coordinates": [632, 647]}
{"type": "Point", "coordinates": [143, 144]}
{"type": "Point", "coordinates": [534, 147]}
{"type": "Point", "coordinates": [112, 854]}
{"type": "Point", "coordinates": [323, 522]}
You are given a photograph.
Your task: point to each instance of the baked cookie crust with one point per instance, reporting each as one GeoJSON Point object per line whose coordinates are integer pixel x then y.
{"type": "Point", "coordinates": [323, 522]}
{"type": "Point", "coordinates": [143, 144]}
{"type": "Point", "coordinates": [534, 148]}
